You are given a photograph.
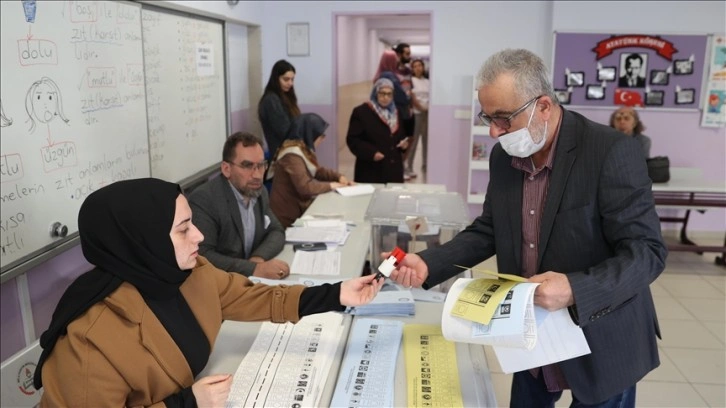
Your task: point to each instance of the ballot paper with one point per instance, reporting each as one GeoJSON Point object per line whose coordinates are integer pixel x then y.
{"type": "Point", "coordinates": [368, 371]}
{"type": "Point", "coordinates": [392, 300]}
{"type": "Point", "coordinates": [356, 190]}
{"type": "Point", "coordinates": [522, 335]}
{"type": "Point", "coordinates": [328, 231]}
{"type": "Point", "coordinates": [288, 364]}
{"type": "Point", "coordinates": [316, 263]}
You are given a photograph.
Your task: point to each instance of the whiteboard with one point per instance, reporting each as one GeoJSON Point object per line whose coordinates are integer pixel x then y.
{"type": "Point", "coordinates": [73, 114]}
{"type": "Point", "coordinates": [185, 87]}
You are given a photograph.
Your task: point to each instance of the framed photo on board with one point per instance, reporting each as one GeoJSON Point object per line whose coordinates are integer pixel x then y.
{"type": "Point", "coordinates": [298, 39]}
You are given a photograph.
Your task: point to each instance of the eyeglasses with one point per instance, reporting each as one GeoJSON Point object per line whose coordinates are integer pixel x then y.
{"type": "Point", "coordinates": [388, 94]}
{"type": "Point", "coordinates": [502, 122]}
{"type": "Point", "coordinates": [250, 166]}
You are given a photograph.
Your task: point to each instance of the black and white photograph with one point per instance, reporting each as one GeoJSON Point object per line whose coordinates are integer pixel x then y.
{"type": "Point", "coordinates": [685, 96]}
{"type": "Point", "coordinates": [633, 67]}
{"type": "Point", "coordinates": [575, 79]}
{"type": "Point", "coordinates": [654, 98]}
{"type": "Point", "coordinates": [563, 96]}
{"type": "Point", "coordinates": [595, 92]}
{"type": "Point", "coordinates": [606, 74]}
{"type": "Point", "coordinates": [659, 77]}
{"type": "Point", "coordinates": [683, 67]}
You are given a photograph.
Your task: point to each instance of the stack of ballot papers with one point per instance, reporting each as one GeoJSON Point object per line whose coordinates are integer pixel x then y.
{"type": "Point", "coordinates": [501, 313]}
{"type": "Point", "coordinates": [392, 300]}
{"type": "Point", "coordinates": [333, 232]}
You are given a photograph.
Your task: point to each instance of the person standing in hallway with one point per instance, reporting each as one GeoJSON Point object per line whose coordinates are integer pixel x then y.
{"type": "Point", "coordinates": [569, 205]}
{"type": "Point", "coordinates": [420, 100]}
{"type": "Point", "coordinates": [376, 138]}
{"type": "Point", "coordinates": [298, 178]}
{"type": "Point", "coordinates": [278, 105]}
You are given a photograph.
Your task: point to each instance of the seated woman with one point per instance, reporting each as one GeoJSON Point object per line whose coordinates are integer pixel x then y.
{"type": "Point", "coordinates": [137, 329]}
{"type": "Point", "coordinates": [297, 176]}
{"type": "Point", "coordinates": [626, 120]}
{"type": "Point", "coordinates": [376, 138]}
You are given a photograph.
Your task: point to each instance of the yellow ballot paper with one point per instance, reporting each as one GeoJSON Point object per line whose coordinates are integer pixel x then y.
{"type": "Point", "coordinates": [479, 301]}
{"type": "Point", "coordinates": [432, 374]}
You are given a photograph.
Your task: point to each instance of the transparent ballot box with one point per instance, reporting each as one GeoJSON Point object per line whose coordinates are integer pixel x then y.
{"type": "Point", "coordinates": [413, 220]}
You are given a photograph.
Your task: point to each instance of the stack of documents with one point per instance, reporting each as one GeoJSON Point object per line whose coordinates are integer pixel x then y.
{"type": "Point", "coordinates": [328, 231]}
{"type": "Point", "coordinates": [392, 300]}
{"type": "Point", "coordinates": [501, 313]}
{"type": "Point", "coordinates": [368, 372]}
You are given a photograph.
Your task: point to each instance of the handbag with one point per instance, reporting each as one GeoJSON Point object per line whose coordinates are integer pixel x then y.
{"type": "Point", "coordinates": [659, 169]}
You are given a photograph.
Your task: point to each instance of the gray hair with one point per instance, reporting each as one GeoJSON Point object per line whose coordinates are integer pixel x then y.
{"type": "Point", "coordinates": [531, 78]}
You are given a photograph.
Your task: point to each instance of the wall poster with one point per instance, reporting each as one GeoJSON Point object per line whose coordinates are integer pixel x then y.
{"type": "Point", "coordinates": [654, 71]}
{"type": "Point", "coordinates": [714, 104]}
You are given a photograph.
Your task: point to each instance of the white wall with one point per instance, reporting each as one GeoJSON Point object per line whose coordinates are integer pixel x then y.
{"type": "Point", "coordinates": [238, 67]}
{"type": "Point", "coordinates": [352, 42]}
{"type": "Point", "coordinates": [666, 17]}
{"type": "Point", "coordinates": [247, 12]}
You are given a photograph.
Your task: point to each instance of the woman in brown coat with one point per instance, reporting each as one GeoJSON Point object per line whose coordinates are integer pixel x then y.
{"type": "Point", "coordinates": [376, 138]}
{"type": "Point", "coordinates": [297, 176]}
{"type": "Point", "coordinates": [136, 330]}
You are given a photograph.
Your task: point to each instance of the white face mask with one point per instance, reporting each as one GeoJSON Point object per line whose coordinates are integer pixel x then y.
{"type": "Point", "coordinates": [520, 142]}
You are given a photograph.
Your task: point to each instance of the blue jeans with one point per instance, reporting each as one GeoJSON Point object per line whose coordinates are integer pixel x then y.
{"type": "Point", "coordinates": [530, 392]}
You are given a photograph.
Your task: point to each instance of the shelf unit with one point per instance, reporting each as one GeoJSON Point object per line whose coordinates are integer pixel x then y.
{"type": "Point", "coordinates": [475, 191]}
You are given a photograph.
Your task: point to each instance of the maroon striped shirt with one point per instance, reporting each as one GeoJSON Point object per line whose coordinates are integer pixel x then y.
{"type": "Point", "coordinates": [534, 192]}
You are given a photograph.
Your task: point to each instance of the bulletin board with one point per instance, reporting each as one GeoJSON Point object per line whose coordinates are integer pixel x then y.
{"type": "Point", "coordinates": [646, 70]}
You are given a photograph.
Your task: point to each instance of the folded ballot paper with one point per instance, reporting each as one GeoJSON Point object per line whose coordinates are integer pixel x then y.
{"type": "Point", "coordinates": [392, 300]}
{"type": "Point", "coordinates": [501, 313]}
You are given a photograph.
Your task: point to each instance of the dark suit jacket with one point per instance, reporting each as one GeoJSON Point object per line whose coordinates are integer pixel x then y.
{"type": "Point", "coordinates": [216, 213]}
{"type": "Point", "coordinates": [639, 82]}
{"type": "Point", "coordinates": [599, 226]}
{"type": "Point", "coordinates": [368, 134]}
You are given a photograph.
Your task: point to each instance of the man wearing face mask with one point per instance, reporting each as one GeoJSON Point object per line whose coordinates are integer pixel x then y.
{"type": "Point", "coordinates": [569, 206]}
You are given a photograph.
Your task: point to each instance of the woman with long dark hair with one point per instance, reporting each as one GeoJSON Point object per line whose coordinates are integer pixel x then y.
{"type": "Point", "coordinates": [278, 105]}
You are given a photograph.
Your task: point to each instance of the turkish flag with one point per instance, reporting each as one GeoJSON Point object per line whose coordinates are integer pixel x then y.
{"type": "Point", "coordinates": [628, 98]}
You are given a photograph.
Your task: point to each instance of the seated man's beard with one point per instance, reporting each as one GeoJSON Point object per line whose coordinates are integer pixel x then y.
{"type": "Point", "coordinates": [252, 192]}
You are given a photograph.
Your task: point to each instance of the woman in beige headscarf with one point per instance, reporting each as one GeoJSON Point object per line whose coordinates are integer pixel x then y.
{"type": "Point", "coordinates": [376, 137]}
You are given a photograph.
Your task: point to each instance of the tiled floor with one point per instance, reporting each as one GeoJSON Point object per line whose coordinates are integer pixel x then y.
{"type": "Point", "coordinates": [690, 301]}
{"type": "Point", "coordinates": [690, 298]}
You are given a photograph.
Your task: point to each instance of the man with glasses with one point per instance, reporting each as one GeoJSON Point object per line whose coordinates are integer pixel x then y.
{"type": "Point", "coordinates": [241, 234]}
{"type": "Point", "coordinates": [569, 206]}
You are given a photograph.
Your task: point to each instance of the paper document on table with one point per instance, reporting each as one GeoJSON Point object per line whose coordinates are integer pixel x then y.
{"type": "Point", "coordinates": [328, 234]}
{"type": "Point", "coordinates": [288, 364]}
{"type": "Point", "coordinates": [432, 373]}
{"type": "Point", "coordinates": [316, 263]}
{"type": "Point", "coordinates": [356, 190]}
{"type": "Point", "coordinates": [528, 334]}
{"type": "Point", "coordinates": [368, 371]}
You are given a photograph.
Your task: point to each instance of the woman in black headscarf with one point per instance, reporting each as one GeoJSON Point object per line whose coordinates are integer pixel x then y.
{"type": "Point", "coordinates": [137, 329]}
{"type": "Point", "coordinates": [297, 176]}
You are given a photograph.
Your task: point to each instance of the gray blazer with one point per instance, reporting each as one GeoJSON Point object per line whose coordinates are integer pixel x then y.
{"type": "Point", "coordinates": [216, 213]}
{"type": "Point", "coordinates": [599, 226]}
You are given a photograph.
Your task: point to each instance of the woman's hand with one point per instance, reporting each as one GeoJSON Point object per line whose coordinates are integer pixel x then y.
{"type": "Point", "coordinates": [334, 185]}
{"type": "Point", "coordinates": [344, 181]}
{"type": "Point", "coordinates": [378, 156]}
{"type": "Point", "coordinates": [212, 391]}
{"type": "Point", "coordinates": [359, 291]}
{"type": "Point", "coordinates": [403, 144]}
